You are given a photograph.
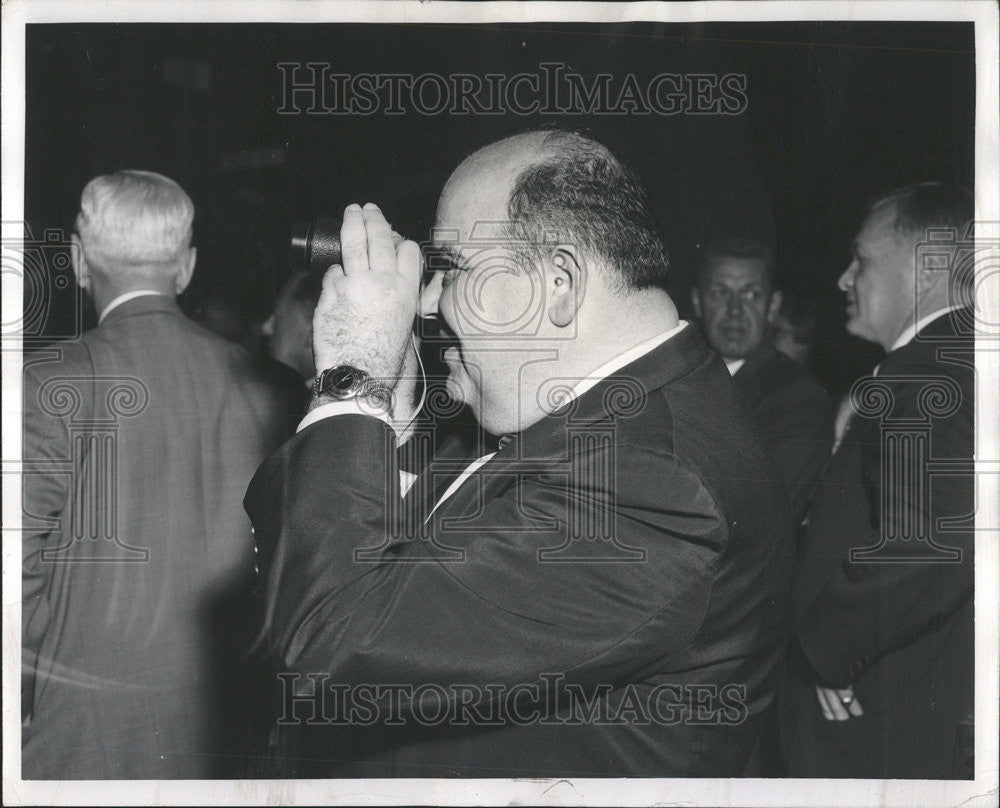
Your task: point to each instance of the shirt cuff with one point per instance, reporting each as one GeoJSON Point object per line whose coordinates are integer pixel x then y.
{"type": "Point", "coordinates": [351, 406]}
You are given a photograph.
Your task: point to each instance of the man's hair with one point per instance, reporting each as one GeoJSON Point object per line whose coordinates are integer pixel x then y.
{"type": "Point", "coordinates": [922, 206]}
{"type": "Point", "coordinates": [134, 218]}
{"type": "Point", "coordinates": [927, 205]}
{"type": "Point", "coordinates": [736, 247]}
{"type": "Point", "coordinates": [587, 196]}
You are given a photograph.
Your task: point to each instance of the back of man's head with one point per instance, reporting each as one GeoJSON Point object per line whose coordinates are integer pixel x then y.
{"type": "Point", "coordinates": [585, 194]}
{"type": "Point", "coordinates": [134, 219]}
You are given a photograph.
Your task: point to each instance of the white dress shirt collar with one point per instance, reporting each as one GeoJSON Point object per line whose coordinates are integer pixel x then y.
{"type": "Point", "coordinates": [914, 328]}
{"type": "Point", "coordinates": [114, 304]}
{"type": "Point", "coordinates": [733, 365]}
{"type": "Point", "coordinates": [620, 361]}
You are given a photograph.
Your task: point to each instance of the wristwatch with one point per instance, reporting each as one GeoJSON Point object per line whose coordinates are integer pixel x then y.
{"type": "Point", "coordinates": [346, 381]}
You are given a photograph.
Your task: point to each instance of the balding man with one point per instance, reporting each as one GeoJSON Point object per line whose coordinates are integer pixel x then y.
{"type": "Point", "coordinates": [603, 592]}
{"type": "Point", "coordinates": [883, 687]}
{"type": "Point", "coordinates": [139, 441]}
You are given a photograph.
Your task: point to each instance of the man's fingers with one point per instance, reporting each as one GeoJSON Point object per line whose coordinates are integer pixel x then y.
{"type": "Point", "coordinates": [409, 263]}
{"type": "Point", "coordinates": [836, 705]}
{"type": "Point", "coordinates": [354, 241]}
{"type": "Point", "coordinates": [329, 289]}
{"type": "Point", "coordinates": [845, 697]}
{"type": "Point", "coordinates": [821, 698]}
{"type": "Point", "coordinates": [381, 250]}
{"type": "Point", "coordinates": [328, 294]}
{"type": "Point", "coordinates": [430, 295]}
{"type": "Point", "coordinates": [833, 703]}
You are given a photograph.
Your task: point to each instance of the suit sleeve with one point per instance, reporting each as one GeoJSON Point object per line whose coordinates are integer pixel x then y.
{"type": "Point", "coordinates": [798, 429]}
{"type": "Point", "coordinates": [505, 611]}
{"type": "Point", "coordinates": [45, 494]}
{"type": "Point", "coordinates": [868, 609]}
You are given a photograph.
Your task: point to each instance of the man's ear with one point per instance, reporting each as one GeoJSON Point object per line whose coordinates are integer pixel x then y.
{"type": "Point", "coordinates": [80, 269]}
{"type": "Point", "coordinates": [696, 301]}
{"type": "Point", "coordinates": [927, 279]}
{"type": "Point", "coordinates": [565, 284]}
{"type": "Point", "coordinates": [772, 308]}
{"type": "Point", "coordinates": [183, 277]}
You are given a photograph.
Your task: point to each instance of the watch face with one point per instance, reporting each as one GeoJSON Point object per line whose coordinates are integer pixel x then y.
{"type": "Point", "coordinates": [342, 381]}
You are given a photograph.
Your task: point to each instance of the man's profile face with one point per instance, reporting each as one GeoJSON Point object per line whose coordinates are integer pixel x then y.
{"type": "Point", "coordinates": [879, 282]}
{"type": "Point", "coordinates": [484, 296]}
{"type": "Point", "coordinates": [734, 300]}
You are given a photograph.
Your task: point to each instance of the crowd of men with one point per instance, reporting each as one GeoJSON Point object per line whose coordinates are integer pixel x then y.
{"type": "Point", "coordinates": [659, 560]}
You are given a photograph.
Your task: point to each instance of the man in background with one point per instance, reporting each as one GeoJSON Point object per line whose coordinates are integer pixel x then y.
{"type": "Point", "coordinates": [882, 686]}
{"type": "Point", "coordinates": [289, 328]}
{"type": "Point", "coordinates": [734, 297]}
{"type": "Point", "coordinates": [139, 440]}
{"type": "Point", "coordinates": [793, 326]}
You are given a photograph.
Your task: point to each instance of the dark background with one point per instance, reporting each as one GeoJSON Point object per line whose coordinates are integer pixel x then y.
{"type": "Point", "coordinates": [837, 112]}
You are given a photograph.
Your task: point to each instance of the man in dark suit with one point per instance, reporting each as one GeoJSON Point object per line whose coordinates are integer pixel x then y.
{"type": "Point", "coordinates": [735, 298]}
{"type": "Point", "coordinates": [139, 440]}
{"type": "Point", "coordinates": [603, 592]}
{"type": "Point", "coordinates": [883, 681]}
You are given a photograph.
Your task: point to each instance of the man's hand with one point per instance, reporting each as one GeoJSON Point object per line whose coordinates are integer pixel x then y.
{"type": "Point", "coordinates": [365, 313]}
{"type": "Point", "coordinates": [838, 704]}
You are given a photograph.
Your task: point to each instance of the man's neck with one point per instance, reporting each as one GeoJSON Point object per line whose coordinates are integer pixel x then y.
{"type": "Point", "coordinates": [617, 349]}
{"type": "Point", "coordinates": [104, 296]}
{"type": "Point", "coordinates": [632, 321]}
{"type": "Point", "coordinates": [928, 312]}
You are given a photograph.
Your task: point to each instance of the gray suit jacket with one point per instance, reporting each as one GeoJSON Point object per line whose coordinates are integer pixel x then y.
{"type": "Point", "coordinates": [139, 440]}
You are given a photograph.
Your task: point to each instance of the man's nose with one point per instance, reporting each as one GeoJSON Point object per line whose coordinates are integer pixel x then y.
{"type": "Point", "coordinates": [430, 295]}
{"type": "Point", "coordinates": [846, 280]}
{"type": "Point", "coordinates": [267, 327]}
{"type": "Point", "coordinates": [734, 305]}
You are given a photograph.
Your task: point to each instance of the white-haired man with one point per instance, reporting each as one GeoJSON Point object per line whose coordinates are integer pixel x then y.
{"type": "Point", "coordinates": [139, 439]}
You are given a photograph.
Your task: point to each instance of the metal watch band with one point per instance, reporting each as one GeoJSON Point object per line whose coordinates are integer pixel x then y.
{"type": "Point", "coordinates": [361, 385]}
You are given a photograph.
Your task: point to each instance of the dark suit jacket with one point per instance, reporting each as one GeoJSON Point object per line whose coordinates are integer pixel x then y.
{"type": "Point", "coordinates": [139, 440]}
{"type": "Point", "coordinates": [633, 546]}
{"type": "Point", "coordinates": [795, 417]}
{"type": "Point", "coordinates": [900, 631]}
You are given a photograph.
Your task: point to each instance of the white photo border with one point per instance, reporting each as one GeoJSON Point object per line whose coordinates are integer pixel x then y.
{"type": "Point", "coordinates": [536, 791]}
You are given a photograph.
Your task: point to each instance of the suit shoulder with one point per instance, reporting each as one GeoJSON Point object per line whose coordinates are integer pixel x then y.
{"type": "Point", "coordinates": [230, 355]}
{"type": "Point", "coordinates": [930, 359]}
{"type": "Point", "coordinates": [70, 358]}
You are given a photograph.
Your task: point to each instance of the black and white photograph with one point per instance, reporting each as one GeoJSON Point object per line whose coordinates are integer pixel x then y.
{"type": "Point", "coordinates": [452, 403]}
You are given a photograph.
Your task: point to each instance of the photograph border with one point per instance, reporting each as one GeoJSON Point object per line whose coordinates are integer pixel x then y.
{"type": "Point", "coordinates": [538, 791]}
